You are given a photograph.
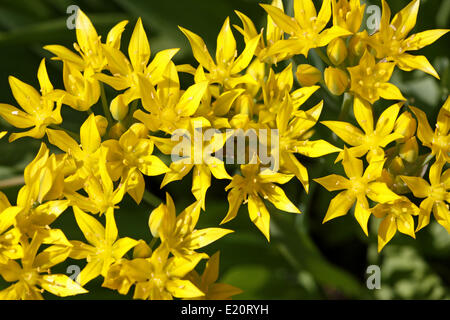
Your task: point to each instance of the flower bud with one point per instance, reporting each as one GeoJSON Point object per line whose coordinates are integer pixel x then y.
{"type": "Point", "coordinates": [118, 108]}
{"type": "Point", "coordinates": [336, 80]}
{"type": "Point", "coordinates": [116, 131]}
{"type": "Point", "coordinates": [409, 150]}
{"type": "Point", "coordinates": [405, 125]}
{"type": "Point", "coordinates": [140, 130]}
{"type": "Point", "coordinates": [337, 51]}
{"type": "Point", "coordinates": [357, 46]}
{"type": "Point", "coordinates": [308, 75]}
{"type": "Point", "coordinates": [102, 124]}
{"type": "Point", "coordinates": [142, 250]}
{"type": "Point", "coordinates": [155, 219]}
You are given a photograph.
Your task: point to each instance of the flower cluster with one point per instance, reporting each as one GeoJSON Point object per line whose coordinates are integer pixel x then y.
{"type": "Point", "coordinates": [231, 93]}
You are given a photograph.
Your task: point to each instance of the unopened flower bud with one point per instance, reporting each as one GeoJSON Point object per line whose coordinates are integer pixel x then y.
{"type": "Point", "coordinates": [102, 124]}
{"type": "Point", "coordinates": [337, 51]}
{"type": "Point", "coordinates": [142, 250]}
{"type": "Point", "coordinates": [140, 130]}
{"type": "Point", "coordinates": [336, 80]}
{"type": "Point", "coordinates": [405, 125]}
{"type": "Point", "coordinates": [357, 46]}
{"type": "Point", "coordinates": [307, 75]}
{"type": "Point", "coordinates": [118, 108]}
{"type": "Point", "coordinates": [117, 131]}
{"type": "Point", "coordinates": [409, 150]}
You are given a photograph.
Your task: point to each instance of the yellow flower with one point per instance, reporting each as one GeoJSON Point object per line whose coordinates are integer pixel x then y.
{"type": "Point", "coordinates": [369, 80]}
{"type": "Point", "coordinates": [170, 108]}
{"type": "Point", "coordinates": [88, 45]}
{"type": "Point", "coordinates": [227, 66]}
{"type": "Point", "coordinates": [196, 156]}
{"type": "Point", "coordinates": [130, 157]}
{"type": "Point", "coordinates": [294, 128]}
{"type": "Point", "coordinates": [3, 133]}
{"type": "Point", "coordinates": [306, 30]}
{"type": "Point", "coordinates": [348, 14]}
{"type": "Point", "coordinates": [125, 73]}
{"type": "Point", "coordinates": [39, 111]}
{"type": "Point", "coordinates": [157, 278]}
{"type": "Point", "coordinates": [436, 193]}
{"type": "Point", "coordinates": [10, 248]}
{"type": "Point", "coordinates": [397, 215]}
{"type": "Point", "coordinates": [273, 34]}
{"type": "Point", "coordinates": [371, 140]}
{"type": "Point", "coordinates": [34, 272]}
{"type": "Point", "coordinates": [248, 188]}
{"type": "Point", "coordinates": [82, 89]}
{"type": "Point", "coordinates": [439, 140]}
{"type": "Point", "coordinates": [207, 282]}
{"type": "Point", "coordinates": [359, 186]}
{"type": "Point", "coordinates": [104, 248]}
{"type": "Point", "coordinates": [85, 154]}
{"type": "Point", "coordinates": [391, 41]}
{"type": "Point", "coordinates": [178, 233]}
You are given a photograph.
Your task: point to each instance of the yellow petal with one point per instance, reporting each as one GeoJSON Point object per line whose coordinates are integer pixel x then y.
{"type": "Point", "coordinates": [390, 92]}
{"type": "Point", "coordinates": [15, 117]}
{"type": "Point", "coordinates": [422, 39]}
{"type": "Point", "coordinates": [353, 167]}
{"type": "Point", "coordinates": [65, 54]}
{"type": "Point", "coordinates": [363, 114]}
{"type": "Point", "coordinates": [362, 213]}
{"type": "Point", "coordinates": [405, 19]}
{"type": "Point", "coordinates": [183, 289]}
{"type": "Point", "coordinates": [246, 56]}
{"type": "Point", "coordinates": [111, 231]}
{"type": "Point", "coordinates": [139, 48]}
{"type": "Point", "coordinates": [379, 192]}
{"type": "Point", "coordinates": [339, 205]}
{"type": "Point", "coordinates": [235, 199]}
{"type": "Point", "coordinates": [442, 214]}
{"type": "Point", "coordinates": [386, 231]}
{"type": "Point", "coordinates": [61, 285]}
{"type": "Point", "coordinates": [333, 182]}
{"type": "Point", "coordinates": [259, 215]}
{"type": "Point", "coordinates": [409, 62]}
{"type": "Point", "coordinates": [115, 34]}
{"type": "Point", "coordinates": [89, 135]}
{"type": "Point", "coordinates": [284, 22]}
{"type": "Point", "coordinates": [199, 49]}
{"type": "Point", "coordinates": [405, 224]}
{"type": "Point", "coordinates": [201, 180]}
{"type": "Point", "coordinates": [91, 271]}
{"type": "Point", "coordinates": [92, 229]}
{"type": "Point", "coordinates": [314, 149]}
{"type": "Point", "coordinates": [201, 238]}
{"type": "Point", "coordinates": [347, 132]}
{"type": "Point", "coordinates": [191, 98]}
{"type": "Point", "coordinates": [122, 246]}
{"type": "Point", "coordinates": [87, 36]}
{"type": "Point", "coordinates": [226, 44]}
{"type": "Point", "coordinates": [386, 121]}
{"type": "Point", "coordinates": [419, 187]}
{"type": "Point", "coordinates": [27, 96]}
{"type": "Point", "coordinates": [278, 198]}
{"type": "Point", "coordinates": [424, 131]}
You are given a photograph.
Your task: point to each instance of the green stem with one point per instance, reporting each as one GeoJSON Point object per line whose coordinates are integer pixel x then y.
{"type": "Point", "coordinates": [151, 199]}
{"type": "Point", "coordinates": [153, 242]}
{"type": "Point", "coordinates": [74, 135]}
{"type": "Point", "coordinates": [105, 106]}
{"type": "Point", "coordinates": [323, 56]}
{"type": "Point", "coordinates": [345, 108]}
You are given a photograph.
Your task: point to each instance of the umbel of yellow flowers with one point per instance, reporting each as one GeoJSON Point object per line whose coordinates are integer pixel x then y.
{"type": "Point", "coordinates": [112, 152]}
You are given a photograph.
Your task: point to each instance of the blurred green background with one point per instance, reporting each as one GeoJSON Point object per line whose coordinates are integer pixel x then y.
{"type": "Point", "coordinates": [305, 259]}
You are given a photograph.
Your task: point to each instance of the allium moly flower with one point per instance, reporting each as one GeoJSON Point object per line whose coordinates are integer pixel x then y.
{"type": "Point", "coordinates": [357, 188]}
{"type": "Point", "coordinates": [348, 14]}
{"type": "Point", "coordinates": [369, 80]}
{"type": "Point", "coordinates": [156, 278]}
{"type": "Point", "coordinates": [104, 247]}
{"type": "Point", "coordinates": [178, 233]}
{"type": "Point", "coordinates": [10, 248]}
{"type": "Point", "coordinates": [436, 194]}
{"type": "Point", "coordinates": [439, 140]}
{"type": "Point", "coordinates": [254, 183]}
{"type": "Point", "coordinates": [39, 111]}
{"type": "Point", "coordinates": [306, 30]}
{"type": "Point", "coordinates": [391, 41]}
{"type": "Point", "coordinates": [396, 215]}
{"type": "Point", "coordinates": [34, 273]}
{"type": "Point", "coordinates": [227, 66]}
{"type": "Point", "coordinates": [207, 282]}
{"type": "Point", "coordinates": [372, 139]}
